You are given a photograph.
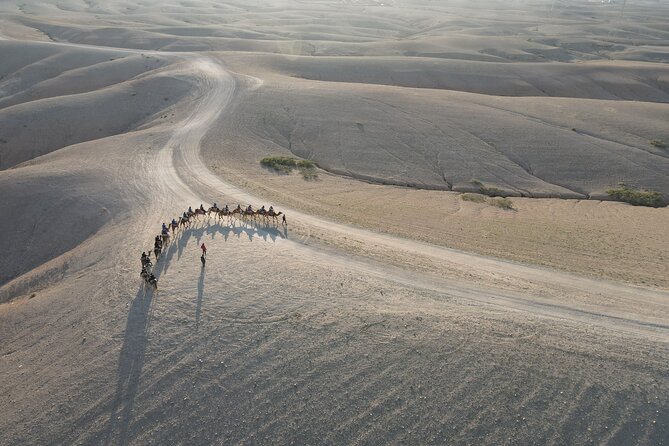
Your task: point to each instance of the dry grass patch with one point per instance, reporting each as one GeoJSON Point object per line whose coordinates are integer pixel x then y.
{"type": "Point", "coordinates": [637, 197]}
{"type": "Point", "coordinates": [502, 203]}
{"type": "Point", "coordinates": [658, 143]}
{"type": "Point", "coordinates": [476, 198]}
{"type": "Point", "coordinates": [286, 164]}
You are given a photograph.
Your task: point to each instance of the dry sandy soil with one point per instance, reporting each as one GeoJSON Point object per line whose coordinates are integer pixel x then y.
{"type": "Point", "coordinates": [389, 310]}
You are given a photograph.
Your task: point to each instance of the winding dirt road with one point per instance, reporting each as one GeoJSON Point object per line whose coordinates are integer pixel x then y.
{"type": "Point", "coordinates": [333, 334]}
{"type": "Point", "coordinates": [181, 169]}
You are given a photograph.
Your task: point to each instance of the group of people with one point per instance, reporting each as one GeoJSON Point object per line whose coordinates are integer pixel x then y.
{"type": "Point", "coordinates": [146, 273]}
{"type": "Point", "coordinates": [147, 266]}
{"type": "Point", "coordinates": [163, 238]}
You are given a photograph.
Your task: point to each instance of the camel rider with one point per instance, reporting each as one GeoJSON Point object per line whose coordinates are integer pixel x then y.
{"type": "Point", "coordinates": [214, 206]}
{"type": "Point", "coordinates": [158, 243]}
{"type": "Point", "coordinates": [201, 207]}
{"type": "Point", "coordinates": [190, 210]}
{"type": "Point", "coordinates": [249, 209]}
{"type": "Point", "coordinates": [226, 208]}
{"type": "Point", "coordinates": [185, 216]}
{"type": "Point", "coordinates": [152, 279]}
{"type": "Point", "coordinates": [145, 259]}
{"type": "Point", "coordinates": [164, 227]}
{"type": "Point", "coordinates": [239, 207]}
{"type": "Point", "coordinates": [165, 231]}
{"type": "Point", "coordinates": [174, 222]}
{"type": "Point", "coordinates": [271, 209]}
{"type": "Point", "coordinates": [262, 210]}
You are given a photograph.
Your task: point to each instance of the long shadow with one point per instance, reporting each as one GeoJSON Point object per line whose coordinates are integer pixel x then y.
{"type": "Point", "coordinates": [130, 364]}
{"type": "Point", "coordinates": [200, 295]}
{"type": "Point", "coordinates": [136, 338]}
{"type": "Point", "coordinates": [250, 229]}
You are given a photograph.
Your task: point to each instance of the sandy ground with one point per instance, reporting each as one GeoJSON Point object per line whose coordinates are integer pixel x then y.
{"type": "Point", "coordinates": [358, 323]}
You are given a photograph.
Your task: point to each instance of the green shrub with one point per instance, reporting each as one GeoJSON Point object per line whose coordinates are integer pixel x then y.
{"type": "Point", "coordinates": [503, 203]}
{"type": "Point", "coordinates": [636, 197]}
{"type": "Point", "coordinates": [658, 143]}
{"type": "Point", "coordinates": [286, 165]}
{"type": "Point", "coordinates": [489, 191]}
{"type": "Point", "coordinates": [306, 164]}
{"type": "Point", "coordinates": [476, 198]}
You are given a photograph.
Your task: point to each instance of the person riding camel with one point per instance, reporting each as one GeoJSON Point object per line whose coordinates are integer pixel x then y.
{"type": "Point", "coordinates": [165, 231]}
{"type": "Point", "coordinates": [249, 209]}
{"type": "Point", "coordinates": [174, 223]}
{"type": "Point", "coordinates": [190, 210]}
{"type": "Point", "coordinates": [201, 207]}
{"type": "Point", "coordinates": [262, 210]}
{"type": "Point", "coordinates": [226, 208]}
{"type": "Point", "coordinates": [158, 243]}
{"type": "Point", "coordinates": [214, 206]}
{"type": "Point", "coordinates": [271, 209]}
{"type": "Point", "coordinates": [164, 227]}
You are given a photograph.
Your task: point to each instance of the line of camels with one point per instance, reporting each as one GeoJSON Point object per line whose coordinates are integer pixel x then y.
{"type": "Point", "coordinates": [225, 212]}
{"type": "Point", "coordinates": [185, 220]}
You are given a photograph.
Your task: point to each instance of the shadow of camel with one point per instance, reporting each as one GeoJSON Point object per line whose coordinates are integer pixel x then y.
{"type": "Point", "coordinates": [250, 229]}
{"type": "Point", "coordinates": [136, 339]}
{"type": "Point", "coordinates": [130, 364]}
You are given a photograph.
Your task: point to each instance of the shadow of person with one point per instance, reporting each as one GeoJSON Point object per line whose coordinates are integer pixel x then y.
{"type": "Point", "coordinates": [200, 296]}
{"type": "Point", "coordinates": [130, 364]}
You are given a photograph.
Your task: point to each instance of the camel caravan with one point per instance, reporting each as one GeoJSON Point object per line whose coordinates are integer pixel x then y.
{"type": "Point", "coordinates": [189, 216]}
{"type": "Point", "coordinates": [248, 213]}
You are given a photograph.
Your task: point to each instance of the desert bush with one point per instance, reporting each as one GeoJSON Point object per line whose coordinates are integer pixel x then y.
{"type": "Point", "coordinates": [489, 191]}
{"type": "Point", "coordinates": [476, 198]}
{"type": "Point", "coordinates": [658, 143]}
{"type": "Point", "coordinates": [283, 164]}
{"type": "Point", "coordinates": [636, 197]}
{"type": "Point", "coordinates": [503, 203]}
{"type": "Point", "coordinates": [286, 165]}
{"type": "Point", "coordinates": [306, 164]}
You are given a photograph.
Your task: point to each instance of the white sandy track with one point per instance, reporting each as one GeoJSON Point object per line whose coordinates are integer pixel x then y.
{"type": "Point", "coordinates": [335, 336]}
{"type": "Point", "coordinates": [178, 172]}
{"type": "Point", "coordinates": [189, 177]}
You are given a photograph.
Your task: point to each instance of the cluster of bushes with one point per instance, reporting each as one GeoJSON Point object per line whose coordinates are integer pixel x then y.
{"type": "Point", "coordinates": [637, 197]}
{"type": "Point", "coordinates": [489, 191]}
{"type": "Point", "coordinates": [500, 202]}
{"type": "Point", "coordinates": [286, 165]}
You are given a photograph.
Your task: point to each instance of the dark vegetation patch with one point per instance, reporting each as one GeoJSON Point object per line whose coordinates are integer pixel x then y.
{"type": "Point", "coordinates": [658, 143]}
{"type": "Point", "coordinates": [287, 164]}
{"type": "Point", "coordinates": [637, 197]}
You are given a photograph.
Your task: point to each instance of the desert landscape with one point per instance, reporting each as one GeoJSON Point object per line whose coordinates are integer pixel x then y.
{"type": "Point", "coordinates": [461, 262]}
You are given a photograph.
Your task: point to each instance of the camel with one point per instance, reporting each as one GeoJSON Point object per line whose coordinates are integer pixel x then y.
{"type": "Point", "coordinates": [273, 215]}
